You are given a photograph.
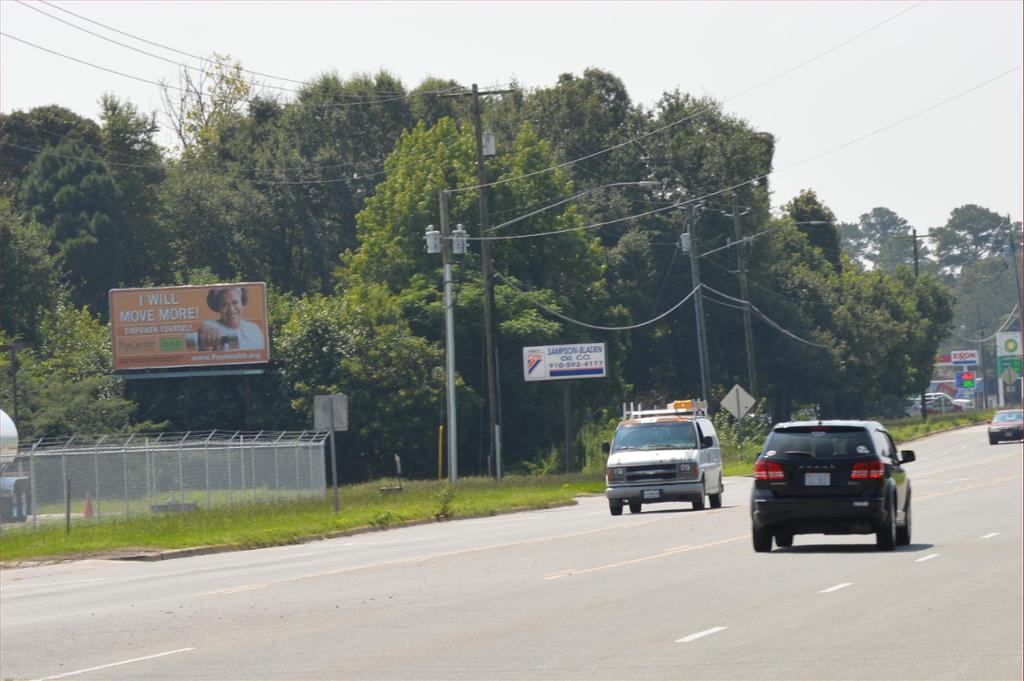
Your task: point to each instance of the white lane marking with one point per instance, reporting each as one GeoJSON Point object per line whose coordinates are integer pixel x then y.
{"type": "Point", "coordinates": [928, 557]}
{"type": "Point", "coordinates": [700, 634]}
{"type": "Point", "coordinates": [114, 664]}
{"type": "Point", "coordinates": [52, 584]}
{"type": "Point", "coordinates": [837, 587]}
{"type": "Point", "coordinates": [989, 535]}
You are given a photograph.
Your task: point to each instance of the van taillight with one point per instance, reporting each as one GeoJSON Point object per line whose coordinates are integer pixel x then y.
{"type": "Point", "coordinates": [866, 470]}
{"type": "Point", "coordinates": [768, 470]}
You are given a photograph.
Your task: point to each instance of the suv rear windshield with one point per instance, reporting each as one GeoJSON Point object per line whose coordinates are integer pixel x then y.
{"type": "Point", "coordinates": [820, 441]}
{"type": "Point", "coordinates": [679, 435]}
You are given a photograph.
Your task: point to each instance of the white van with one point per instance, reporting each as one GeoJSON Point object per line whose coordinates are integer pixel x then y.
{"type": "Point", "coordinates": [659, 455]}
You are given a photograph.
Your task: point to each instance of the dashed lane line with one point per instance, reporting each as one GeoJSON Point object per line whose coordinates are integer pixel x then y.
{"type": "Point", "coordinates": [700, 634]}
{"type": "Point", "coordinates": [114, 664]}
{"type": "Point", "coordinates": [837, 587]}
{"type": "Point", "coordinates": [989, 535]}
{"type": "Point", "coordinates": [928, 557]}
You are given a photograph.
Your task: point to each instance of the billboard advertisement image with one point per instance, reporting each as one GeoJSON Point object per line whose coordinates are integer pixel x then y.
{"type": "Point", "coordinates": [189, 326]}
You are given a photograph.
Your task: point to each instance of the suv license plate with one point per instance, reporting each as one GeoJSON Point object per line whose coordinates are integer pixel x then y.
{"type": "Point", "coordinates": [817, 479]}
{"type": "Point", "coordinates": [652, 494]}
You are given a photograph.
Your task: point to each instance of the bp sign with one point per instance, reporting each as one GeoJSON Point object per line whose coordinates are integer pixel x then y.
{"type": "Point", "coordinates": [1008, 344]}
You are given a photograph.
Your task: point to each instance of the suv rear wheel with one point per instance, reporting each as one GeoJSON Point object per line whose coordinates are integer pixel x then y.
{"type": "Point", "coordinates": [903, 531]}
{"type": "Point", "coordinates": [885, 535]}
{"type": "Point", "coordinates": [784, 539]}
{"type": "Point", "coordinates": [615, 507]}
{"type": "Point", "coordinates": [762, 540]}
{"type": "Point", "coordinates": [716, 499]}
{"type": "Point", "coordinates": [635, 506]}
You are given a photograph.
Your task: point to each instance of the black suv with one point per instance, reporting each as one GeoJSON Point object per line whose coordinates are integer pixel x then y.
{"type": "Point", "coordinates": [830, 477]}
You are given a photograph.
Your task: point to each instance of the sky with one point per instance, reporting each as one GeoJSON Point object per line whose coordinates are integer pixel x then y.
{"type": "Point", "coordinates": [871, 104]}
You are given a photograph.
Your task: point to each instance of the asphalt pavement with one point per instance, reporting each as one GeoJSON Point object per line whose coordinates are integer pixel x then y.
{"type": "Point", "coordinates": [566, 593]}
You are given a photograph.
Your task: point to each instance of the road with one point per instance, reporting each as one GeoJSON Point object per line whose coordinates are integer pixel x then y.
{"type": "Point", "coordinates": [567, 593]}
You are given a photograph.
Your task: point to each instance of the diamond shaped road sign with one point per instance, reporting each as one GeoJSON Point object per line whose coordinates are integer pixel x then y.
{"type": "Point", "coordinates": [737, 402]}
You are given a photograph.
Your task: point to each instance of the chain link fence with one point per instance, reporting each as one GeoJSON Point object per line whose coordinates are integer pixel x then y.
{"type": "Point", "coordinates": [127, 475]}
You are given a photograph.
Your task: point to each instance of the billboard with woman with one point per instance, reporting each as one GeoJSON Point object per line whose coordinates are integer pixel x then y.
{"type": "Point", "coordinates": [189, 326]}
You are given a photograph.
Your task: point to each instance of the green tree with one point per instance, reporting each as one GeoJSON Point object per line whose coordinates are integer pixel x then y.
{"type": "Point", "coordinates": [24, 133]}
{"type": "Point", "coordinates": [818, 222]}
{"type": "Point", "coordinates": [64, 383]}
{"type": "Point", "coordinates": [71, 191]}
{"type": "Point", "coordinates": [971, 234]}
{"type": "Point", "coordinates": [359, 344]}
{"type": "Point", "coordinates": [32, 279]}
{"type": "Point", "coordinates": [884, 240]}
{"type": "Point", "coordinates": [135, 161]}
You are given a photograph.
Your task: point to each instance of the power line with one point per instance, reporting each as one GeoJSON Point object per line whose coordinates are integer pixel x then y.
{"type": "Point", "coordinates": [141, 51]}
{"type": "Point", "coordinates": [335, 105]}
{"type": "Point", "coordinates": [1006, 322]}
{"type": "Point", "coordinates": [765, 317]}
{"type": "Point", "coordinates": [199, 57]}
{"type": "Point", "coordinates": [703, 110]}
{"type": "Point", "coordinates": [766, 175]}
{"type": "Point", "coordinates": [95, 66]}
{"type": "Point", "coordinates": [597, 327]}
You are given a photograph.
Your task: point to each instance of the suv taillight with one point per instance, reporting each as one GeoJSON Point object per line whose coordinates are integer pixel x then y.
{"type": "Point", "coordinates": [867, 470]}
{"type": "Point", "coordinates": [768, 470]}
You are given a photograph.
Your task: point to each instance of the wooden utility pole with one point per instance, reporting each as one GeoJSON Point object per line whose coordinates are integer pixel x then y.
{"type": "Point", "coordinates": [748, 331]}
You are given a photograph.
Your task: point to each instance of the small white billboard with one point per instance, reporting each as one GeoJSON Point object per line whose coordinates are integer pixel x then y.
{"type": "Point", "coordinates": [556, 362]}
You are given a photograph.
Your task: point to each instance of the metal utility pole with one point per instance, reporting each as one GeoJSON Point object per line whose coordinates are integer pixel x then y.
{"type": "Point", "coordinates": [698, 300]}
{"type": "Point", "coordinates": [748, 331]}
{"type": "Point", "coordinates": [494, 453]}
{"type": "Point", "coordinates": [449, 341]}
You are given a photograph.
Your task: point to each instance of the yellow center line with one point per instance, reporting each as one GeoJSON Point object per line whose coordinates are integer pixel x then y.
{"type": "Point", "coordinates": [634, 561]}
{"type": "Point", "coordinates": [237, 589]}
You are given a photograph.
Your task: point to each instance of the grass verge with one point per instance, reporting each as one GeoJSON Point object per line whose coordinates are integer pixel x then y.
{"type": "Point", "coordinates": [264, 524]}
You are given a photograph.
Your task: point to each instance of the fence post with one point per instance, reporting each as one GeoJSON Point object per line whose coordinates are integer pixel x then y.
{"type": "Point", "coordinates": [252, 460]}
{"type": "Point", "coordinates": [64, 475]}
{"type": "Point", "coordinates": [181, 469]}
{"type": "Point", "coordinates": [231, 488]}
{"type": "Point", "coordinates": [241, 465]}
{"type": "Point", "coordinates": [124, 453]}
{"type": "Point", "coordinates": [32, 479]}
{"type": "Point", "coordinates": [277, 473]}
{"type": "Point", "coordinates": [206, 460]}
{"type": "Point", "coordinates": [296, 451]}
{"type": "Point", "coordinates": [309, 455]}
{"type": "Point", "coordinates": [96, 471]}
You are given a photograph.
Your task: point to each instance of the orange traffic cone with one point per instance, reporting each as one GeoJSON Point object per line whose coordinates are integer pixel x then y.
{"type": "Point", "coordinates": [88, 505]}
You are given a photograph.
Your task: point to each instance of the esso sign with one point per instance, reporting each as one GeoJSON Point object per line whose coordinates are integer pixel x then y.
{"type": "Point", "coordinates": [964, 357]}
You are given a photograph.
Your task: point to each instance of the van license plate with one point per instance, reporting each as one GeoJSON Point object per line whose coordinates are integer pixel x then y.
{"type": "Point", "coordinates": [817, 479]}
{"type": "Point", "coordinates": [652, 494]}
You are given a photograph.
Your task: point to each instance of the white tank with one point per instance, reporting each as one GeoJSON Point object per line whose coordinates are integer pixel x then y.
{"type": "Point", "coordinates": [8, 439]}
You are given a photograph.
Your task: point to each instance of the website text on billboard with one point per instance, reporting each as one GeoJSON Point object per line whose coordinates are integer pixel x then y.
{"type": "Point", "coordinates": [189, 326]}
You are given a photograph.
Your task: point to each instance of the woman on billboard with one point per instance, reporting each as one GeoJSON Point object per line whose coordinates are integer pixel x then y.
{"type": "Point", "coordinates": [230, 332]}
